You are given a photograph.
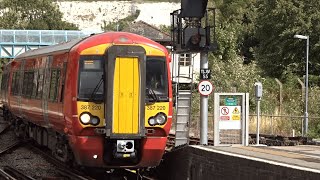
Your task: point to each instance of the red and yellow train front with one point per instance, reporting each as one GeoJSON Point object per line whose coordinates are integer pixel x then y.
{"type": "Point", "coordinates": [124, 104]}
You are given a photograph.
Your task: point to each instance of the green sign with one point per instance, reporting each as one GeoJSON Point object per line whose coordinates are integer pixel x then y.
{"type": "Point", "coordinates": [230, 101]}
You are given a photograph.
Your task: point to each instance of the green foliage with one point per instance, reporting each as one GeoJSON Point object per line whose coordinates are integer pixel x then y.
{"type": "Point", "coordinates": [277, 22]}
{"type": "Point", "coordinates": [235, 29]}
{"type": "Point", "coordinates": [2, 63]}
{"type": "Point", "coordinates": [165, 29]}
{"type": "Point", "coordinates": [32, 14]}
{"type": "Point", "coordinates": [121, 24]}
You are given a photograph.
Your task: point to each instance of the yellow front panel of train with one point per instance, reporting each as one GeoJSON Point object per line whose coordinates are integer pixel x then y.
{"type": "Point", "coordinates": [126, 96]}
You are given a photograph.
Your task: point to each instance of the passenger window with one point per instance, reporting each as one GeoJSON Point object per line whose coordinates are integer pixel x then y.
{"type": "Point", "coordinates": [24, 86]}
{"type": "Point", "coordinates": [35, 84]}
{"type": "Point", "coordinates": [54, 84]}
{"type": "Point", "coordinates": [13, 82]}
{"type": "Point", "coordinates": [40, 84]}
{"type": "Point", "coordinates": [29, 86]}
{"type": "Point", "coordinates": [16, 83]}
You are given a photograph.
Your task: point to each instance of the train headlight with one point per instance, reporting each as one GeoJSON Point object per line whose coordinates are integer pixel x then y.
{"type": "Point", "coordinates": [152, 121]}
{"type": "Point", "coordinates": [95, 121]}
{"type": "Point", "coordinates": [85, 118]}
{"type": "Point", "coordinates": [161, 118]}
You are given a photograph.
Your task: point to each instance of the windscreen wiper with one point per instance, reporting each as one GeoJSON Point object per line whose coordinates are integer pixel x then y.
{"type": "Point", "coordinates": [152, 95]}
{"type": "Point", "coordinates": [95, 90]}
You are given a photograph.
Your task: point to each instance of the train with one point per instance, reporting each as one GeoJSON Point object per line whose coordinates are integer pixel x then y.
{"type": "Point", "coordinates": [104, 101]}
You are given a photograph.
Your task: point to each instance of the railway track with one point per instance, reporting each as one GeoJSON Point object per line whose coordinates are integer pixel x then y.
{"type": "Point", "coordinates": [5, 128]}
{"type": "Point", "coordinates": [10, 147]}
{"type": "Point", "coordinates": [71, 175]}
{"type": "Point", "coordinates": [65, 171]}
{"type": "Point", "coordinates": [133, 174]}
{"type": "Point", "coordinates": [11, 173]}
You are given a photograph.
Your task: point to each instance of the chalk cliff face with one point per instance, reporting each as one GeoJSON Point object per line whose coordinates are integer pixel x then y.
{"type": "Point", "coordinates": [92, 15]}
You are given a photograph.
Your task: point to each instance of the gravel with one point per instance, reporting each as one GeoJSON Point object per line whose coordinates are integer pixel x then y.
{"type": "Point", "coordinates": [29, 163]}
{"type": "Point", "coordinates": [24, 159]}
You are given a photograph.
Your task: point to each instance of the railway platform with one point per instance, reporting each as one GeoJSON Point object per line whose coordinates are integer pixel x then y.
{"type": "Point", "coordinates": [243, 162]}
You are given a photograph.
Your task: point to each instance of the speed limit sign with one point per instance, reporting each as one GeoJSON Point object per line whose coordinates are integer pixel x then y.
{"type": "Point", "coordinates": [205, 88]}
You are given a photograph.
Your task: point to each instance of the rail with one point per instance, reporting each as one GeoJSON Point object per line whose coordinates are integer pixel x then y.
{"type": "Point", "coordinates": [63, 169]}
{"type": "Point", "coordinates": [10, 147]}
{"type": "Point", "coordinates": [14, 174]}
{"type": "Point", "coordinates": [4, 129]}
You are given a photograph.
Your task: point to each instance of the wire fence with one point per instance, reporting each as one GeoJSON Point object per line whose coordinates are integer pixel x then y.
{"type": "Point", "coordinates": [282, 125]}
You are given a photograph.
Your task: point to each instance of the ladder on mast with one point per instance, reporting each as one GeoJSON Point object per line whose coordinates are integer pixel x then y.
{"type": "Point", "coordinates": [183, 101]}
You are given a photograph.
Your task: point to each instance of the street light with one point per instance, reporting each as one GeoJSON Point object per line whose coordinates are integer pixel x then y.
{"type": "Point", "coordinates": [306, 83]}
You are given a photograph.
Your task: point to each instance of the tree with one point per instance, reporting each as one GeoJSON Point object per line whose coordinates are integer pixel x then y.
{"type": "Point", "coordinates": [277, 22]}
{"type": "Point", "coordinates": [32, 14]}
{"type": "Point", "coordinates": [121, 24]}
{"type": "Point", "coordinates": [235, 29]}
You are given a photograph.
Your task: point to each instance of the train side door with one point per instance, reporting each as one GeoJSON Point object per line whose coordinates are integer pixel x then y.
{"type": "Point", "coordinates": [56, 91]}
{"type": "Point", "coordinates": [62, 89]}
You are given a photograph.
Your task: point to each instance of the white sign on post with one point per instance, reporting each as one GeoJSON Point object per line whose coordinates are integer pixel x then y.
{"type": "Point", "coordinates": [230, 117]}
{"type": "Point", "coordinates": [205, 88]}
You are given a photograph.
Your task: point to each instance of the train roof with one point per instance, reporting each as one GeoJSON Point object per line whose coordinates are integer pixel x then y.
{"type": "Point", "coordinates": [89, 41]}
{"type": "Point", "coordinates": [66, 46]}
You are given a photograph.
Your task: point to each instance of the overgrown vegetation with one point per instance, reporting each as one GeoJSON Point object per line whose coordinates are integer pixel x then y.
{"type": "Point", "coordinates": [32, 14]}
{"type": "Point", "coordinates": [256, 43]}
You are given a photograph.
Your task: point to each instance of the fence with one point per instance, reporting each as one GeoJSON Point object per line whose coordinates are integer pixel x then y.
{"type": "Point", "coordinates": [283, 125]}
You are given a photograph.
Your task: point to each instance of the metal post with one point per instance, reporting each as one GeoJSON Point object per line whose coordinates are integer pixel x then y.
{"type": "Point", "coordinates": [258, 120]}
{"type": "Point", "coordinates": [203, 105]}
{"type": "Point", "coordinates": [306, 115]}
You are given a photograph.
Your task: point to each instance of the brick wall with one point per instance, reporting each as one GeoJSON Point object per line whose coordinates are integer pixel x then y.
{"type": "Point", "coordinates": [196, 164]}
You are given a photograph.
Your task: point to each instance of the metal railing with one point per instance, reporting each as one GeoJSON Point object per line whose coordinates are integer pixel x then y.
{"type": "Point", "coordinates": [40, 37]}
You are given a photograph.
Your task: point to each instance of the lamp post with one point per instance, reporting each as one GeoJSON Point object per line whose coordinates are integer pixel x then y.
{"type": "Point", "coordinates": [305, 130]}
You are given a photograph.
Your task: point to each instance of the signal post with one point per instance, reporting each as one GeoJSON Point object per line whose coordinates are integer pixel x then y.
{"type": "Point", "coordinates": [190, 35]}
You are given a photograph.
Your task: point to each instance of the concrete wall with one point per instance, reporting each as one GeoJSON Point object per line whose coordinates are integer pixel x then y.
{"type": "Point", "coordinates": [196, 164]}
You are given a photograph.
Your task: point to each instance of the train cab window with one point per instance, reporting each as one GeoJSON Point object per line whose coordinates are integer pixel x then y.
{"type": "Point", "coordinates": [90, 84]}
{"type": "Point", "coordinates": [157, 78]}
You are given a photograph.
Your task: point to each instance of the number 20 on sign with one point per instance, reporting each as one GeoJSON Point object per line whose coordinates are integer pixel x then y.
{"type": "Point", "coordinates": [205, 88]}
